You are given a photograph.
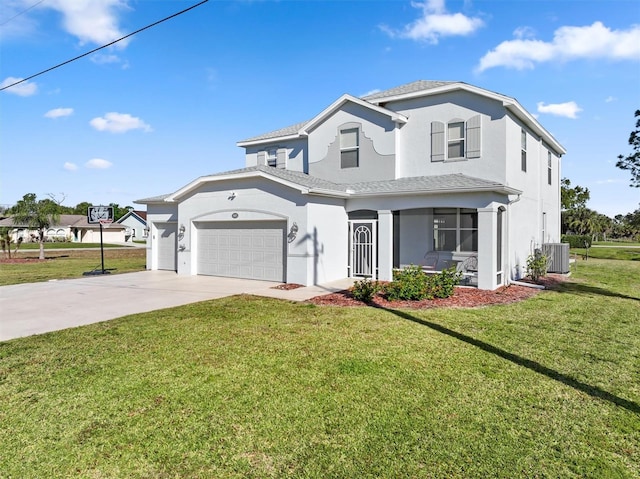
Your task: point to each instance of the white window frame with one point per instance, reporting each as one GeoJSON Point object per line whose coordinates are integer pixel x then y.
{"type": "Point", "coordinates": [523, 150]}
{"type": "Point", "coordinates": [458, 228]}
{"type": "Point", "coordinates": [350, 148]}
{"type": "Point", "coordinates": [271, 157]}
{"type": "Point", "coordinates": [549, 169]}
{"type": "Point", "coordinates": [460, 140]}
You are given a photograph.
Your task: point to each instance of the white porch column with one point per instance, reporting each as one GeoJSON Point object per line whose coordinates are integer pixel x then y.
{"type": "Point", "coordinates": [487, 247]}
{"type": "Point", "coordinates": [385, 245]}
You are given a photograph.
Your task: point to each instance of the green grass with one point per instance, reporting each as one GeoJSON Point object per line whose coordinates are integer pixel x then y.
{"type": "Point", "coordinates": [64, 245]}
{"type": "Point", "coordinates": [617, 243]}
{"type": "Point", "coordinates": [255, 387]}
{"type": "Point", "coordinates": [70, 264]}
{"type": "Point", "coordinates": [629, 253]}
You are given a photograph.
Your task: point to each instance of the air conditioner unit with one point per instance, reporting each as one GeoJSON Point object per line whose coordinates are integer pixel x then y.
{"type": "Point", "coordinates": [558, 255]}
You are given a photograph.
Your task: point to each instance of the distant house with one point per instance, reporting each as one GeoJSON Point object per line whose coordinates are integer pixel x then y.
{"type": "Point", "coordinates": [135, 222]}
{"type": "Point", "coordinates": [430, 169]}
{"type": "Point", "coordinates": [74, 228]}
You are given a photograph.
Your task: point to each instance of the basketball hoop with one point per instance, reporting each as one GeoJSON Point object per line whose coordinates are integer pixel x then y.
{"type": "Point", "coordinates": [105, 222]}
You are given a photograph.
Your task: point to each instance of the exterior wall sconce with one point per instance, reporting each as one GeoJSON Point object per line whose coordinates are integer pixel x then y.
{"type": "Point", "coordinates": [232, 196]}
{"type": "Point", "coordinates": [181, 231]}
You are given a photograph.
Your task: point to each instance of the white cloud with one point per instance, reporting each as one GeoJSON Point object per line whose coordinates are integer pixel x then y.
{"type": "Point", "coordinates": [23, 89]}
{"type": "Point", "coordinates": [91, 21]}
{"type": "Point", "coordinates": [569, 43]}
{"type": "Point", "coordinates": [119, 123]}
{"type": "Point", "coordinates": [569, 109]}
{"type": "Point", "coordinates": [98, 164]}
{"type": "Point", "coordinates": [70, 166]}
{"type": "Point", "coordinates": [58, 113]}
{"type": "Point", "coordinates": [435, 23]}
{"type": "Point", "coordinates": [610, 98]}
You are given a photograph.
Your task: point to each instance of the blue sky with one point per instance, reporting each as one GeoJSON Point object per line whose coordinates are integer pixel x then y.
{"type": "Point", "coordinates": [149, 114]}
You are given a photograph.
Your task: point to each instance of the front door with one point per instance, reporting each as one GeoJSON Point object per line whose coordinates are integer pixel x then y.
{"type": "Point", "coordinates": [363, 250]}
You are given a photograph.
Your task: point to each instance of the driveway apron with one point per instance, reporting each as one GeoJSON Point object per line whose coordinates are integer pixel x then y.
{"type": "Point", "coordinates": [36, 308]}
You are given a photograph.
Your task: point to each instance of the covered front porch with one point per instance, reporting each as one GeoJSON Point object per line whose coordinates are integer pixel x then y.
{"type": "Point", "coordinates": [436, 237]}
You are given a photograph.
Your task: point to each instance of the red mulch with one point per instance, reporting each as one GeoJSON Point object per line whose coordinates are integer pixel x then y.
{"type": "Point", "coordinates": [463, 297]}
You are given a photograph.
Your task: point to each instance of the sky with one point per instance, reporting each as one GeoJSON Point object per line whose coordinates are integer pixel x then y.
{"type": "Point", "coordinates": [149, 114]}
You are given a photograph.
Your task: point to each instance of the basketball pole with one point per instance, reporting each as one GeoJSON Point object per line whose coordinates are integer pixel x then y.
{"type": "Point", "coordinates": [101, 249]}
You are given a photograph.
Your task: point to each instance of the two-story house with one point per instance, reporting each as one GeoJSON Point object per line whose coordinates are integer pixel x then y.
{"type": "Point", "coordinates": [371, 184]}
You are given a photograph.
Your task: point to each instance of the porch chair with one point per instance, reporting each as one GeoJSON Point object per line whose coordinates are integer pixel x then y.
{"type": "Point", "coordinates": [469, 269]}
{"type": "Point", "coordinates": [430, 261]}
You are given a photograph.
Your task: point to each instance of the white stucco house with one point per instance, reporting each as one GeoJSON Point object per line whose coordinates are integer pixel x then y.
{"type": "Point", "coordinates": [371, 184]}
{"type": "Point", "coordinates": [72, 228]}
{"type": "Point", "coordinates": [135, 223]}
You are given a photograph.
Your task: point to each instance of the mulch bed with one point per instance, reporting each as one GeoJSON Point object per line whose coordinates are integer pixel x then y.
{"type": "Point", "coordinates": [463, 297]}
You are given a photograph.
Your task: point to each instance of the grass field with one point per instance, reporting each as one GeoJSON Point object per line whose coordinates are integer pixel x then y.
{"type": "Point", "coordinates": [254, 387]}
{"type": "Point", "coordinates": [63, 245]}
{"type": "Point", "coordinates": [70, 264]}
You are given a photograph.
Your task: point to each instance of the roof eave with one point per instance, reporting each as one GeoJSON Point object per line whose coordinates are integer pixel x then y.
{"type": "Point", "coordinates": [506, 190]}
{"type": "Point", "coordinates": [263, 141]}
{"type": "Point", "coordinates": [534, 125]}
{"type": "Point", "coordinates": [235, 176]}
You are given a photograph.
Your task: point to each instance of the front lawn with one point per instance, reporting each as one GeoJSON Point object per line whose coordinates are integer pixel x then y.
{"type": "Point", "coordinates": [26, 267]}
{"type": "Point", "coordinates": [255, 387]}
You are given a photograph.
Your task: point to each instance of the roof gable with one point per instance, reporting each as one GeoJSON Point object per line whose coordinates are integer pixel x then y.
{"type": "Point", "coordinates": [303, 129]}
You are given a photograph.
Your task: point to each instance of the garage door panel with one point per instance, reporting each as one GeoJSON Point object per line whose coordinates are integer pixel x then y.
{"type": "Point", "coordinates": [252, 250]}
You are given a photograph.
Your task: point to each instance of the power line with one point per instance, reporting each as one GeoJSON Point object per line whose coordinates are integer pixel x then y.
{"type": "Point", "coordinates": [105, 46]}
{"type": "Point", "coordinates": [20, 13]}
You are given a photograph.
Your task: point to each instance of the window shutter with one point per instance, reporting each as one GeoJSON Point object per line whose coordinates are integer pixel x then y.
{"type": "Point", "coordinates": [281, 158]}
{"type": "Point", "coordinates": [437, 141]}
{"type": "Point", "coordinates": [473, 137]}
{"type": "Point", "coordinates": [262, 158]}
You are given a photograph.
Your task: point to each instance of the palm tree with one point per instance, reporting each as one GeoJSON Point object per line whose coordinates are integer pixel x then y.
{"type": "Point", "coordinates": [37, 215]}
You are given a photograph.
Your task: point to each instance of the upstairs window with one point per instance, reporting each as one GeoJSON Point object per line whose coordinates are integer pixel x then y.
{"type": "Point", "coordinates": [456, 140]}
{"type": "Point", "coordinates": [272, 157]}
{"type": "Point", "coordinates": [523, 150]}
{"type": "Point", "coordinates": [549, 170]}
{"type": "Point", "coordinates": [349, 148]}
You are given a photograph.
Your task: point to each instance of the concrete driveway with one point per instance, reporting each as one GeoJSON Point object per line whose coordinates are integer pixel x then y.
{"type": "Point", "coordinates": [36, 308]}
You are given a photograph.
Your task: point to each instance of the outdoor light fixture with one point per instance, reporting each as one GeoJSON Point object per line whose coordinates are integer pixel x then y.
{"type": "Point", "coordinates": [182, 229]}
{"type": "Point", "coordinates": [232, 196]}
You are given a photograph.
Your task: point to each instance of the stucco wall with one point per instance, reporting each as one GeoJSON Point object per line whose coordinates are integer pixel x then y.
{"type": "Point", "coordinates": [414, 158]}
{"type": "Point", "coordinates": [316, 254]}
{"type": "Point", "coordinates": [376, 148]}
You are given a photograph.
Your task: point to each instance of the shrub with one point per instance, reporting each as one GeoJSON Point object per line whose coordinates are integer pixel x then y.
{"type": "Point", "coordinates": [365, 290]}
{"type": "Point", "coordinates": [536, 265]}
{"type": "Point", "coordinates": [409, 283]}
{"type": "Point", "coordinates": [442, 285]}
{"type": "Point", "coordinates": [577, 241]}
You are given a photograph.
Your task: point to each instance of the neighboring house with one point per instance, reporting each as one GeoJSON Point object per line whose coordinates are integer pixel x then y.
{"type": "Point", "coordinates": [74, 228]}
{"type": "Point", "coordinates": [371, 184]}
{"type": "Point", "coordinates": [135, 223]}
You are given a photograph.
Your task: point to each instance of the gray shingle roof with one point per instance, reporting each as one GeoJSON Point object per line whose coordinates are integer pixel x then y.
{"type": "Point", "coordinates": [416, 86]}
{"type": "Point", "coordinates": [289, 130]}
{"type": "Point", "coordinates": [425, 184]}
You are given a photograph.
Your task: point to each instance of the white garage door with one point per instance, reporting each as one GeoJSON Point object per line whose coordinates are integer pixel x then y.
{"type": "Point", "coordinates": [167, 249]}
{"type": "Point", "coordinates": [251, 250]}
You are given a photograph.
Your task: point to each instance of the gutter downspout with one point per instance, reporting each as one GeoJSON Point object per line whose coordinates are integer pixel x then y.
{"type": "Point", "coordinates": [508, 228]}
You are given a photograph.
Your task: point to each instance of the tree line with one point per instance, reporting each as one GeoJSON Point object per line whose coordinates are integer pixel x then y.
{"type": "Point", "coordinates": [580, 220]}
{"type": "Point", "coordinates": [40, 215]}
